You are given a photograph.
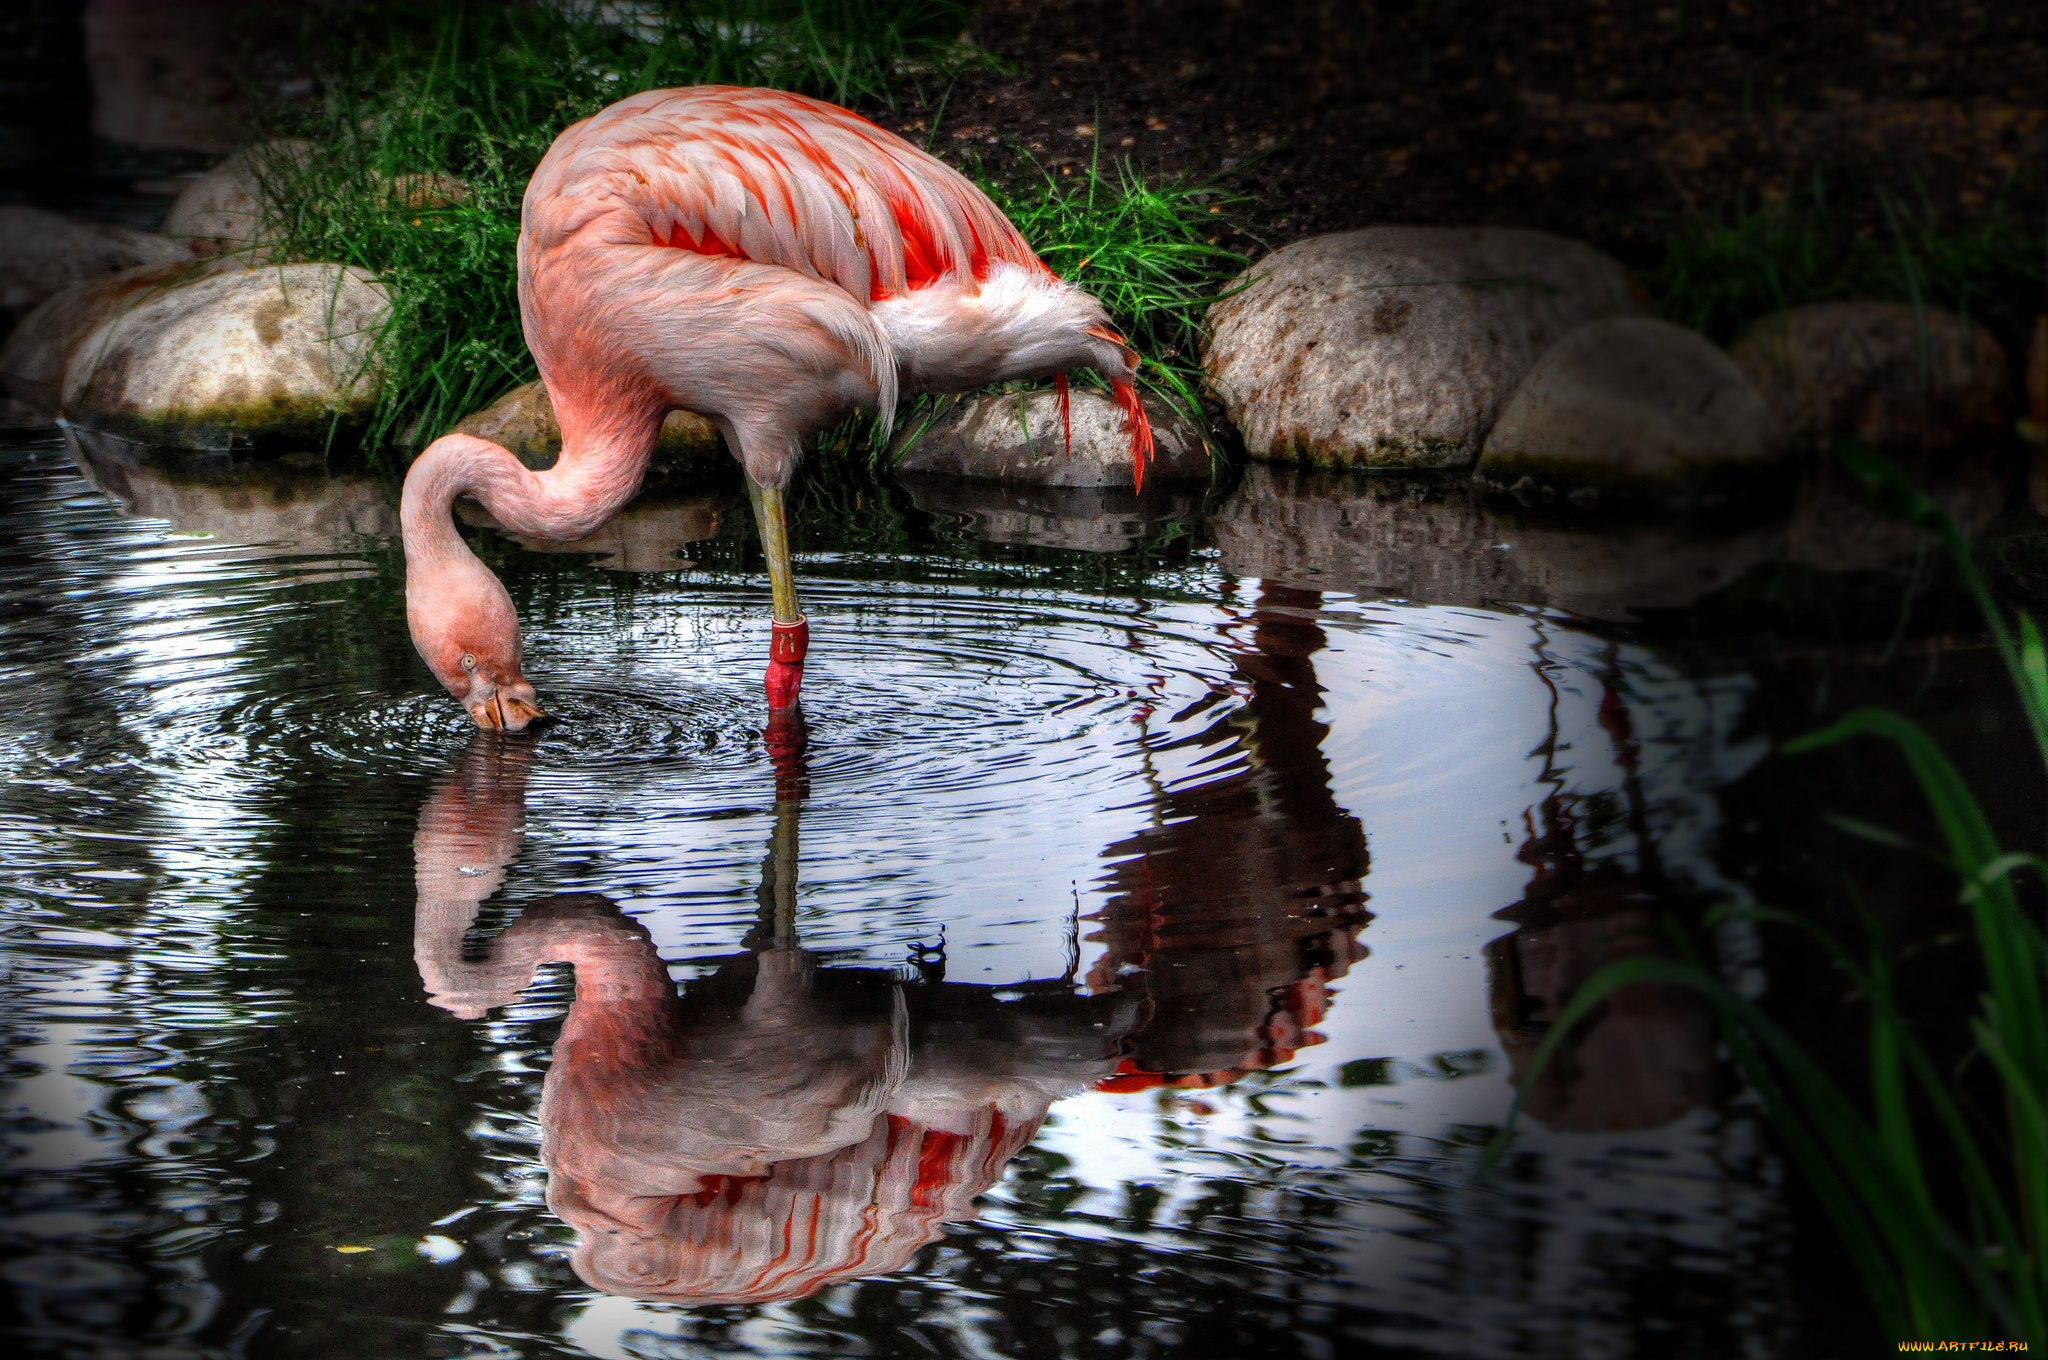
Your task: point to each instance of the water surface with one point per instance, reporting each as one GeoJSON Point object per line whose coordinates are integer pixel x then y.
{"type": "Point", "coordinates": [1109, 963]}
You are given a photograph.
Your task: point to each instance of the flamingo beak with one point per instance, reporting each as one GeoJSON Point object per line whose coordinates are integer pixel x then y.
{"type": "Point", "coordinates": [504, 712]}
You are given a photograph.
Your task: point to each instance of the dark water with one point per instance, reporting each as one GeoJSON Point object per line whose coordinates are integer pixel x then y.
{"type": "Point", "coordinates": [1124, 956]}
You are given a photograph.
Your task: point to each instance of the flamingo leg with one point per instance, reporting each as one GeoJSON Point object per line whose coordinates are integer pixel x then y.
{"type": "Point", "coordinates": [792, 634]}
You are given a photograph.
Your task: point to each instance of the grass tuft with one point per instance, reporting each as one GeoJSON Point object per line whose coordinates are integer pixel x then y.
{"type": "Point", "coordinates": [1148, 250]}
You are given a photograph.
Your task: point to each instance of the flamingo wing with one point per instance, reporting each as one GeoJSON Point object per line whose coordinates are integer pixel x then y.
{"type": "Point", "coordinates": [774, 178]}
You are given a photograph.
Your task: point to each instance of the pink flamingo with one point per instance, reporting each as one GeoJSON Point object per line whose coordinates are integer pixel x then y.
{"type": "Point", "coordinates": [766, 260]}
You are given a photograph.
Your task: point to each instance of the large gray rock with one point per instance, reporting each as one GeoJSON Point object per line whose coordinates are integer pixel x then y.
{"type": "Point", "coordinates": [1898, 378]}
{"type": "Point", "coordinates": [221, 212]}
{"type": "Point", "coordinates": [1633, 410]}
{"type": "Point", "coordinates": [523, 420]}
{"type": "Point", "coordinates": [162, 74]}
{"type": "Point", "coordinates": [1017, 438]}
{"type": "Point", "coordinates": [34, 357]}
{"type": "Point", "coordinates": [42, 253]}
{"type": "Point", "coordinates": [1437, 544]}
{"type": "Point", "coordinates": [1396, 346]}
{"type": "Point", "coordinates": [275, 353]}
{"type": "Point", "coordinates": [1097, 519]}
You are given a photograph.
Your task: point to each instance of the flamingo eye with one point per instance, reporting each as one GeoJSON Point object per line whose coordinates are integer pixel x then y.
{"type": "Point", "coordinates": [468, 661]}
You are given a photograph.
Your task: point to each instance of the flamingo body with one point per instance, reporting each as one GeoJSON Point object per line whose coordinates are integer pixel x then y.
{"type": "Point", "coordinates": [767, 260]}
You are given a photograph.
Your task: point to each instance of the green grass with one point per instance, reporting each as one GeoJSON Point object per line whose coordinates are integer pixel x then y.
{"type": "Point", "coordinates": [480, 92]}
{"type": "Point", "coordinates": [1148, 250]}
{"type": "Point", "coordinates": [1970, 1263]}
{"type": "Point", "coordinates": [1724, 267]}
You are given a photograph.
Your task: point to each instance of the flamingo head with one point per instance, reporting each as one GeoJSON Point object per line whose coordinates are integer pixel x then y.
{"type": "Point", "coordinates": [467, 633]}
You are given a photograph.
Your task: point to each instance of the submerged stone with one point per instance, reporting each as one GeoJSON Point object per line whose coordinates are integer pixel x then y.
{"type": "Point", "coordinates": [523, 420]}
{"type": "Point", "coordinates": [1396, 346]}
{"type": "Point", "coordinates": [1634, 411]}
{"type": "Point", "coordinates": [1897, 377]}
{"type": "Point", "coordinates": [274, 353]}
{"type": "Point", "coordinates": [1018, 438]}
{"type": "Point", "coordinates": [43, 253]}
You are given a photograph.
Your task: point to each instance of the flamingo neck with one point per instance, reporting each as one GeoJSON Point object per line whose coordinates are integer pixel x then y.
{"type": "Point", "coordinates": [598, 472]}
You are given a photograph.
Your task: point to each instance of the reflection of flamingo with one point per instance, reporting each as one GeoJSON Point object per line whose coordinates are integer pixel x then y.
{"type": "Point", "coordinates": [762, 258]}
{"type": "Point", "coordinates": [1241, 904]}
{"type": "Point", "coordinates": [777, 1128]}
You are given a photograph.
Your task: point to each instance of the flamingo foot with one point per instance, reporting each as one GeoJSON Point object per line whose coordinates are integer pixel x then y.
{"type": "Point", "coordinates": [790, 642]}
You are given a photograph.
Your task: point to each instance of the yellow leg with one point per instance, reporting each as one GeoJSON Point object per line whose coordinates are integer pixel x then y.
{"type": "Point", "coordinates": [791, 636]}
{"type": "Point", "coordinates": [774, 527]}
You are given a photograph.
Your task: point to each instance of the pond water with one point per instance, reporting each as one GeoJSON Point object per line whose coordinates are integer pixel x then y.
{"type": "Point", "coordinates": [1121, 956]}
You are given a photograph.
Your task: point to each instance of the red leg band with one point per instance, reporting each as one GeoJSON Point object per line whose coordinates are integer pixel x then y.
{"type": "Point", "coordinates": [790, 641]}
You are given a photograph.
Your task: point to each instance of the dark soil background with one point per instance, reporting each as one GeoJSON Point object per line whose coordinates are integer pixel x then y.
{"type": "Point", "coordinates": [1588, 118]}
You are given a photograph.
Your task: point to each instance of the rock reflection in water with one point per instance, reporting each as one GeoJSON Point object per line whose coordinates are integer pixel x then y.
{"type": "Point", "coordinates": [653, 533]}
{"type": "Point", "coordinates": [1429, 541]}
{"type": "Point", "coordinates": [299, 508]}
{"type": "Point", "coordinates": [1101, 519]}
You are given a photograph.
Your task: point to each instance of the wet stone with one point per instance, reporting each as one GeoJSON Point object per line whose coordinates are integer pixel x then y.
{"type": "Point", "coordinates": [1018, 438]}
{"type": "Point", "coordinates": [689, 447]}
{"type": "Point", "coordinates": [243, 355]}
{"type": "Point", "coordinates": [1632, 411]}
{"type": "Point", "coordinates": [1397, 346]}
{"type": "Point", "coordinates": [1897, 377]}
{"type": "Point", "coordinates": [43, 253]}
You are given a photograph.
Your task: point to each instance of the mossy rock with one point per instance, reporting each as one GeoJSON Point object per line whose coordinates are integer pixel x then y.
{"type": "Point", "coordinates": [1904, 379]}
{"type": "Point", "coordinates": [1395, 347]}
{"type": "Point", "coordinates": [42, 253]}
{"type": "Point", "coordinates": [267, 356]}
{"type": "Point", "coordinates": [40, 348]}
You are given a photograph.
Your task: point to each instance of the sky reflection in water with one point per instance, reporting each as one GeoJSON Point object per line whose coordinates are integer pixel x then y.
{"type": "Point", "coordinates": [1093, 975]}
